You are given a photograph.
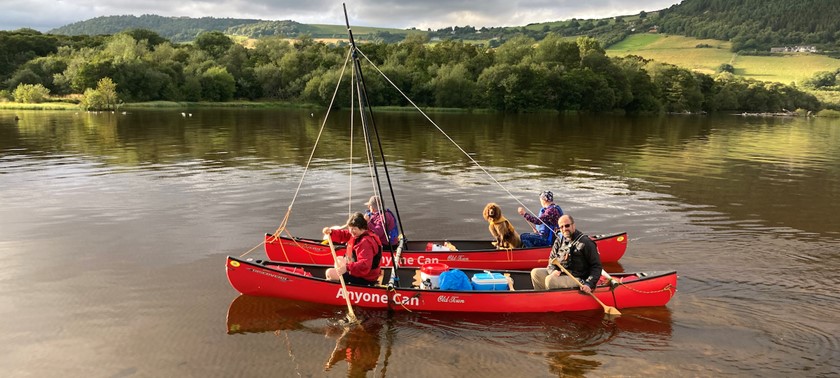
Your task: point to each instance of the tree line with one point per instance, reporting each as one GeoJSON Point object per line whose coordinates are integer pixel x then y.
{"type": "Point", "coordinates": [519, 75]}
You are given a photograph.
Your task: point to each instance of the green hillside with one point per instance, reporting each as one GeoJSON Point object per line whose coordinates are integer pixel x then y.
{"type": "Point", "coordinates": [756, 25]}
{"type": "Point", "coordinates": [684, 52]}
{"type": "Point", "coordinates": [185, 29]}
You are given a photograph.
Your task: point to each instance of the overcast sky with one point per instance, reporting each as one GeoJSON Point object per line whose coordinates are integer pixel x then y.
{"type": "Point", "coordinates": [44, 15]}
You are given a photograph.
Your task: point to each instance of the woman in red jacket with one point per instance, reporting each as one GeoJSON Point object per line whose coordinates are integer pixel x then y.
{"type": "Point", "coordinates": [361, 265]}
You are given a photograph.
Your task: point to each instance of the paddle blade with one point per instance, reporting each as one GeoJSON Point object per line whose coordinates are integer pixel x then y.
{"type": "Point", "coordinates": [609, 310]}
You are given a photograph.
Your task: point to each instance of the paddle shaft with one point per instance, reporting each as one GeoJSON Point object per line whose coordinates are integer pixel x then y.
{"type": "Point", "coordinates": [607, 309]}
{"type": "Point", "coordinates": [351, 316]}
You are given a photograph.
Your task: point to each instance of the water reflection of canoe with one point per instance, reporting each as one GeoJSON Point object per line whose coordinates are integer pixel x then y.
{"type": "Point", "coordinates": [358, 346]}
{"type": "Point", "coordinates": [262, 314]}
{"type": "Point", "coordinates": [253, 314]}
{"type": "Point", "coordinates": [472, 254]}
{"type": "Point", "coordinates": [302, 282]}
{"type": "Point", "coordinates": [561, 337]}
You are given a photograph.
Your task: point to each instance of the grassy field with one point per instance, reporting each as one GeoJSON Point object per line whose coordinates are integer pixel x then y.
{"type": "Point", "coordinates": [39, 106]}
{"type": "Point", "coordinates": [683, 52]}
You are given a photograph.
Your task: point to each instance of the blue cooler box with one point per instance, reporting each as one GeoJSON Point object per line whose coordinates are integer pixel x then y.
{"type": "Point", "coordinates": [489, 281]}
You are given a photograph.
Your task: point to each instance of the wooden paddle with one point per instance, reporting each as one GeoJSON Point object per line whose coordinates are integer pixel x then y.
{"type": "Point", "coordinates": [351, 316]}
{"type": "Point", "coordinates": [609, 310]}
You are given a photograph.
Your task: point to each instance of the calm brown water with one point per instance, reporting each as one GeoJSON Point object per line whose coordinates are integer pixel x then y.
{"type": "Point", "coordinates": [114, 229]}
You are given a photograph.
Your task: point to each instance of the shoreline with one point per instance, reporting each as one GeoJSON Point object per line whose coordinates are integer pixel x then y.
{"type": "Point", "coordinates": [289, 105]}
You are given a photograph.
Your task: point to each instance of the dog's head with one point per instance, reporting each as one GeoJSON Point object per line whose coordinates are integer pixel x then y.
{"type": "Point", "coordinates": [492, 212]}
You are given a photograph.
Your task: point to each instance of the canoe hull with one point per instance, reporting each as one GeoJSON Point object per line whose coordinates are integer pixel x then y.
{"type": "Point", "coordinates": [470, 254]}
{"type": "Point", "coordinates": [268, 279]}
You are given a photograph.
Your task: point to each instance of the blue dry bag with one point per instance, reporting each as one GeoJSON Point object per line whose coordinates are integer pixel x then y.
{"type": "Point", "coordinates": [454, 279]}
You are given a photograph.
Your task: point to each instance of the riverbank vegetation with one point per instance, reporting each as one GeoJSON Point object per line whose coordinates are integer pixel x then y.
{"type": "Point", "coordinates": [518, 76]}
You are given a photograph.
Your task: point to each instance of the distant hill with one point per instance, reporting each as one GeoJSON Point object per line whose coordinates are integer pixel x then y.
{"type": "Point", "coordinates": [185, 29]}
{"type": "Point", "coordinates": [751, 25]}
{"type": "Point", "coordinates": [756, 24]}
{"type": "Point", "coordinates": [176, 29]}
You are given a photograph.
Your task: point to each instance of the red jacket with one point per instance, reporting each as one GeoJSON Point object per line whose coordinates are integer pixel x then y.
{"type": "Point", "coordinates": [360, 263]}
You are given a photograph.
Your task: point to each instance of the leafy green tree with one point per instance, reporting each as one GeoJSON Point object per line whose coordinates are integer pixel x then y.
{"type": "Point", "coordinates": [151, 38]}
{"type": "Point", "coordinates": [239, 65]}
{"type": "Point", "coordinates": [644, 97]}
{"type": "Point", "coordinates": [192, 89]}
{"type": "Point", "coordinates": [141, 81]}
{"type": "Point", "coordinates": [270, 79]}
{"type": "Point", "coordinates": [582, 89]}
{"type": "Point", "coordinates": [84, 69]}
{"type": "Point", "coordinates": [679, 90]}
{"type": "Point", "coordinates": [214, 43]}
{"type": "Point", "coordinates": [513, 88]}
{"type": "Point", "coordinates": [725, 67]}
{"type": "Point", "coordinates": [19, 46]}
{"type": "Point", "coordinates": [23, 76]}
{"type": "Point", "coordinates": [821, 80]}
{"type": "Point", "coordinates": [452, 87]}
{"type": "Point", "coordinates": [402, 77]}
{"type": "Point", "coordinates": [123, 48]}
{"type": "Point", "coordinates": [44, 68]}
{"type": "Point", "coordinates": [104, 97]}
{"type": "Point", "coordinates": [517, 49]}
{"type": "Point", "coordinates": [554, 51]}
{"type": "Point", "coordinates": [589, 45]}
{"type": "Point", "coordinates": [726, 94]}
{"type": "Point", "coordinates": [217, 84]}
{"type": "Point", "coordinates": [322, 86]}
{"type": "Point", "coordinates": [31, 93]}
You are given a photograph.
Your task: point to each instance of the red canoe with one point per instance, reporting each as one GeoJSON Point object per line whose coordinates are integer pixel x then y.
{"type": "Point", "coordinates": [303, 282]}
{"type": "Point", "coordinates": [470, 254]}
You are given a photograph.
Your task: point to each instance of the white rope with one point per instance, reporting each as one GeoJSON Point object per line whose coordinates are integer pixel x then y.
{"type": "Point", "coordinates": [321, 131]}
{"type": "Point", "coordinates": [368, 151]}
{"type": "Point", "coordinates": [352, 129]}
{"type": "Point", "coordinates": [446, 135]}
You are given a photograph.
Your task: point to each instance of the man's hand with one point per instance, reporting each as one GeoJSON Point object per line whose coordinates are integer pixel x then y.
{"type": "Point", "coordinates": [341, 264]}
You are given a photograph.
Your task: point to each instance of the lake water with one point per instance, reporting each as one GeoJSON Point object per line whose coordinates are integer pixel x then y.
{"type": "Point", "coordinates": [114, 230]}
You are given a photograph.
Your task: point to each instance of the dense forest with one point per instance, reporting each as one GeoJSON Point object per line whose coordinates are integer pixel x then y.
{"type": "Point", "coordinates": [519, 75]}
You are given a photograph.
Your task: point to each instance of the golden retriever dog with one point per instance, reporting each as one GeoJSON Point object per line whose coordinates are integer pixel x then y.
{"type": "Point", "coordinates": [504, 235]}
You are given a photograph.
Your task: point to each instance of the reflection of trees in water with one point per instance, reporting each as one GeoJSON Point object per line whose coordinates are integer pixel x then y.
{"type": "Point", "coordinates": [754, 159]}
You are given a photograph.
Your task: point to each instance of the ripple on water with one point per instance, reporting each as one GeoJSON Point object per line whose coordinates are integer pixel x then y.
{"type": "Point", "coordinates": [776, 322]}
